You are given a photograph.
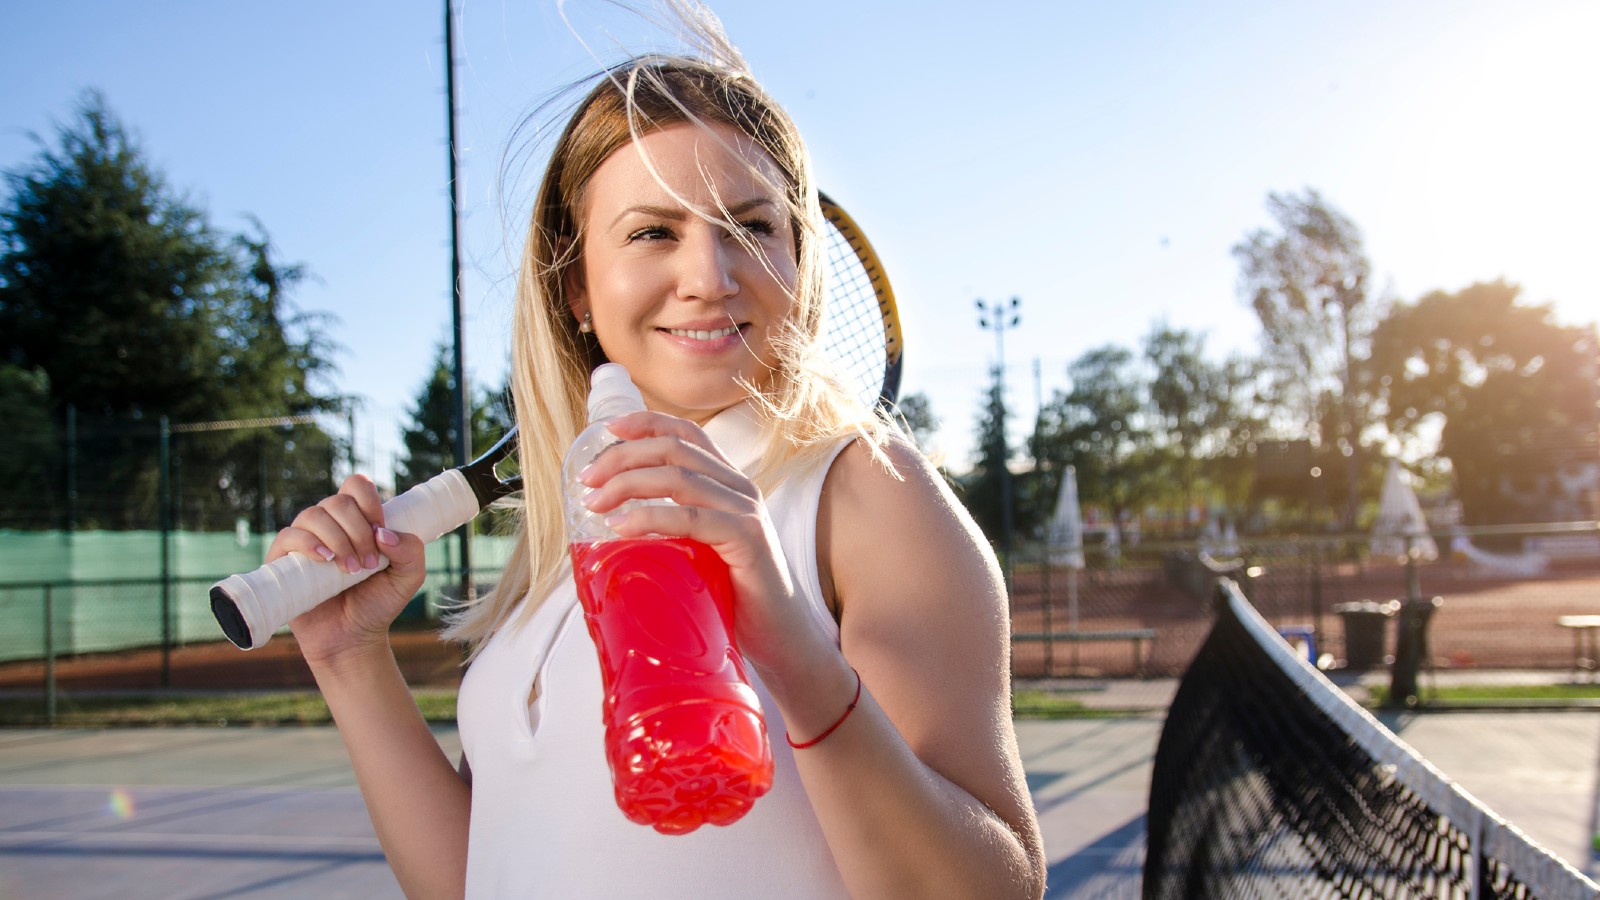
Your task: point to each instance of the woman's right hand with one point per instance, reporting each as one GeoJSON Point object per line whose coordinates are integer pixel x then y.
{"type": "Point", "coordinates": [347, 530]}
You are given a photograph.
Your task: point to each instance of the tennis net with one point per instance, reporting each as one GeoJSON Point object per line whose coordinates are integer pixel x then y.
{"type": "Point", "coordinates": [1270, 782]}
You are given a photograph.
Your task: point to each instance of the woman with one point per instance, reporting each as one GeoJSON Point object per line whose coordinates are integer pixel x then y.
{"type": "Point", "coordinates": [675, 233]}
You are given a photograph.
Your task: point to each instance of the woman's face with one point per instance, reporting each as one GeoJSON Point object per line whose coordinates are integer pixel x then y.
{"type": "Point", "coordinates": [679, 301]}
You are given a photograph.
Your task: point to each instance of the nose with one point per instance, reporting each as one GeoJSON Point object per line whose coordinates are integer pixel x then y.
{"type": "Point", "coordinates": [706, 263]}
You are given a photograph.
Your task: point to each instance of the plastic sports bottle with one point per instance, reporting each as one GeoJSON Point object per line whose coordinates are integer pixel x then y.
{"type": "Point", "coordinates": [685, 738]}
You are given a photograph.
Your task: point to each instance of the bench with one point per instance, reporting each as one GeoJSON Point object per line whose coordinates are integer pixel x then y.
{"type": "Point", "coordinates": [1583, 635]}
{"type": "Point", "coordinates": [1138, 637]}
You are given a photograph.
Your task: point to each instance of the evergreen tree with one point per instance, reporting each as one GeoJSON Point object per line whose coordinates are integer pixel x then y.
{"type": "Point", "coordinates": [990, 487]}
{"type": "Point", "coordinates": [29, 457]}
{"type": "Point", "coordinates": [134, 307]}
{"type": "Point", "coordinates": [430, 437]}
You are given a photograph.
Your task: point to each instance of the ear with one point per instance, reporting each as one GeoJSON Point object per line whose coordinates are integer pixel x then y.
{"type": "Point", "coordinates": [573, 284]}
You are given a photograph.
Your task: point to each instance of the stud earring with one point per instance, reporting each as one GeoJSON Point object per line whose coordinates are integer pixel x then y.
{"type": "Point", "coordinates": [587, 325]}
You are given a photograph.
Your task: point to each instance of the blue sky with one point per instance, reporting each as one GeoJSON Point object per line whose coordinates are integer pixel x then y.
{"type": "Point", "coordinates": [1097, 160]}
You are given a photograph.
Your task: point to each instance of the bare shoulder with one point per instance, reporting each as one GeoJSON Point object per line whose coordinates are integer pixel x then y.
{"type": "Point", "coordinates": [917, 591]}
{"type": "Point", "coordinates": [899, 495]}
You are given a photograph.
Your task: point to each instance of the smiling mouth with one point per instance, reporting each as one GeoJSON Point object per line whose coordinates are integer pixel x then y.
{"type": "Point", "coordinates": [704, 335]}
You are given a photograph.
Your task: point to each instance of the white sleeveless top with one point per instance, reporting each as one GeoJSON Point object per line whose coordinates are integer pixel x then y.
{"type": "Point", "coordinates": [544, 819]}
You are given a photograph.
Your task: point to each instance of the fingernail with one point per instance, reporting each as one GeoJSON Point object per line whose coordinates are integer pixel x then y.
{"type": "Point", "coordinates": [371, 560]}
{"type": "Point", "coordinates": [386, 537]}
{"type": "Point", "coordinates": [325, 553]}
{"type": "Point", "coordinates": [352, 565]}
{"type": "Point", "coordinates": [583, 474]}
{"type": "Point", "coordinates": [616, 519]}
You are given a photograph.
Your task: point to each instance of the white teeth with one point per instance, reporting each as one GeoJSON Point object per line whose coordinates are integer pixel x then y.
{"type": "Point", "coordinates": [704, 335]}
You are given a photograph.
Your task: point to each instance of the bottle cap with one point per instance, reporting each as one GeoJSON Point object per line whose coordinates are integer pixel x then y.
{"type": "Point", "coordinates": [612, 393]}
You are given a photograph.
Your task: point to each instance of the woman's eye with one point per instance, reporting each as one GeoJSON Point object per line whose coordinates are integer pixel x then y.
{"type": "Point", "coordinates": [760, 227]}
{"type": "Point", "coordinates": [652, 233]}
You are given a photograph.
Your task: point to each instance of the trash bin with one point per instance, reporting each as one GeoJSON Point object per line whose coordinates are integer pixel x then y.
{"type": "Point", "coordinates": [1410, 651]}
{"type": "Point", "coordinates": [1365, 622]}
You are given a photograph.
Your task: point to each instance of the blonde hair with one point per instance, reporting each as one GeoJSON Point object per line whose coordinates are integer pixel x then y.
{"type": "Point", "coordinates": [805, 411]}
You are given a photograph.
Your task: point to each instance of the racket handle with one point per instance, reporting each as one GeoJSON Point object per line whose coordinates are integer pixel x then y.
{"type": "Point", "coordinates": [252, 606]}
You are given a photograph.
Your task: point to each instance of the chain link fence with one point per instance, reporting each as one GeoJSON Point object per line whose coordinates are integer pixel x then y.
{"type": "Point", "coordinates": [1517, 606]}
{"type": "Point", "coordinates": [152, 633]}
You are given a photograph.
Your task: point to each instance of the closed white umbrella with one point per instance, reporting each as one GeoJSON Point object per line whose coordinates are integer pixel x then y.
{"type": "Point", "coordinates": [1066, 542]}
{"type": "Point", "coordinates": [1399, 517]}
{"type": "Point", "coordinates": [1066, 526]}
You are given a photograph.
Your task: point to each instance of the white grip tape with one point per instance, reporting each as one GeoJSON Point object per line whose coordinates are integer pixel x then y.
{"type": "Point", "coordinates": [290, 585]}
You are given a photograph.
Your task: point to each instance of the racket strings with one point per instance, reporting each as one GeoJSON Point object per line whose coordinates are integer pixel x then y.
{"type": "Point", "coordinates": [854, 335]}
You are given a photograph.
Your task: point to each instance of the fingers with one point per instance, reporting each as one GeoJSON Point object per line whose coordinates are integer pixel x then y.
{"type": "Point", "coordinates": [669, 468]}
{"type": "Point", "coordinates": [407, 561]}
{"type": "Point", "coordinates": [342, 529]}
{"type": "Point", "coordinates": [657, 440]}
{"type": "Point", "coordinates": [665, 457]}
{"type": "Point", "coordinates": [730, 533]}
{"type": "Point", "coordinates": [682, 485]}
{"type": "Point", "coordinates": [635, 427]}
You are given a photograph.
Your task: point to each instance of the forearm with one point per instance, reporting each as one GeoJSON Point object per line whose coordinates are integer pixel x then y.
{"type": "Point", "coordinates": [898, 828]}
{"type": "Point", "coordinates": [418, 803]}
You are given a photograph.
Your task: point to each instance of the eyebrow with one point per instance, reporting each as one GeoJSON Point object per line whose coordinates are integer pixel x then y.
{"type": "Point", "coordinates": [679, 213]}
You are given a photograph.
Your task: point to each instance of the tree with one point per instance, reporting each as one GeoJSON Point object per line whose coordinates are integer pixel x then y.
{"type": "Point", "coordinates": [28, 457]}
{"type": "Point", "coordinates": [1098, 428]}
{"type": "Point", "coordinates": [120, 291]}
{"type": "Point", "coordinates": [430, 437]}
{"type": "Point", "coordinates": [1201, 411]}
{"type": "Point", "coordinates": [1183, 399]}
{"type": "Point", "coordinates": [1307, 283]}
{"type": "Point", "coordinates": [916, 412]}
{"type": "Point", "coordinates": [1515, 392]}
{"type": "Point", "coordinates": [986, 487]}
{"type": "Point", "coordinates": [1240, 422]}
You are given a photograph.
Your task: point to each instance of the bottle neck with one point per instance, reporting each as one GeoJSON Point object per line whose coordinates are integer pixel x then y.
{"type": "Point", "coordinates": [601, 409]}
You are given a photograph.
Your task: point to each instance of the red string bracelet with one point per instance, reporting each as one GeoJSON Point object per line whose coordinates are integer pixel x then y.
{"type": "Point", "coordinates": [834, 727]}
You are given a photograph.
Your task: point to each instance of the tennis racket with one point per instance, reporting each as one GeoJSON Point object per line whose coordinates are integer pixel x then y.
{"type": "Point", "coordinates": [860, 334]}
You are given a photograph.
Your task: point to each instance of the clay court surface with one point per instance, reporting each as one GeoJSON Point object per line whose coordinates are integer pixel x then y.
{"type": "Point", "coordinates": [424, 659]}
{"type": "Point", "coordinates": [1486, 624]}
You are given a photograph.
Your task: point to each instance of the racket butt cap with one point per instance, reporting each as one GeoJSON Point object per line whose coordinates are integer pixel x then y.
{"type": "Point", "coordinates": [229, 617]}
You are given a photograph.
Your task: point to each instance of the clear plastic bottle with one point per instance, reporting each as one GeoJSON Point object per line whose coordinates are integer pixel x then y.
{"type": "Point", "coordinates": [685, 738]}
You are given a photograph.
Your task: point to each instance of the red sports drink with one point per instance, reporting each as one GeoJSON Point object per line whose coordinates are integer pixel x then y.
{"type": "Point", "coordinates": [685, 737]}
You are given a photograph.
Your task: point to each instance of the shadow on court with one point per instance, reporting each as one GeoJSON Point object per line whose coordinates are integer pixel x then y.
{"type": "Point", "coordinates": [274, 812]}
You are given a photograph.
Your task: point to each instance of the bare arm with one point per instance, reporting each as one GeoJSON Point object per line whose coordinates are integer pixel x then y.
{"type": "Point", "coordinates": [921, 791]}
{"type": "Point", "coordinates": [419, 804]}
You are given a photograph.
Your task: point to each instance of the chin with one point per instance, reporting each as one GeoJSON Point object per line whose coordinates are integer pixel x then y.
{"type": "Point", "coordinates": [709, 396]}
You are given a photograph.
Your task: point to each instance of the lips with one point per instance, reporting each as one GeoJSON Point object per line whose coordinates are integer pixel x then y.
{"type": "Point", "coordinates": [703, 334]}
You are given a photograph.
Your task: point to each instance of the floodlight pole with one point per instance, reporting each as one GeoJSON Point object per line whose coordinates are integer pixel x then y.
{"type": "Point", "coordinates": [463, 409]}
{"type": "Point", "coordinates": [1000, 316]}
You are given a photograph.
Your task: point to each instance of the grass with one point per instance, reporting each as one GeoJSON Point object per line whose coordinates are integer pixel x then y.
{"type": "Point", "coordinates": [1036, 704]}
{"type": "Point", "coordinates": [274, 708]}
{"type": "Point", "coordinates": [1489, 694]}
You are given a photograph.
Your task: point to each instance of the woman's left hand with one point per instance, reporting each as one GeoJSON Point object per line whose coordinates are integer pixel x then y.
{"type": "Point", "coordinates": [663, 456]}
